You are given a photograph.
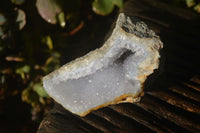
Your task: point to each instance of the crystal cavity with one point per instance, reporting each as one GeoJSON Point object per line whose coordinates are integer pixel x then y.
{"type": "Point", "coordinates": [111, 74]}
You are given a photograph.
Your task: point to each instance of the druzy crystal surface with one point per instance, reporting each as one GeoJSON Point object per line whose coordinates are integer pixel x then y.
{"type": "Point", "coordinates": [111, 74]}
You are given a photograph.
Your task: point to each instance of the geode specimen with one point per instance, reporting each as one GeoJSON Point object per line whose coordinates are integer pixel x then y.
{"type": "Point", "coordinates": [112, 74]}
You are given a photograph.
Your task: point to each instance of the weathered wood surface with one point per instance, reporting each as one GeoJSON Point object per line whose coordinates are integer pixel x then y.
{"type": "Point", "coordinates": [171, 103]}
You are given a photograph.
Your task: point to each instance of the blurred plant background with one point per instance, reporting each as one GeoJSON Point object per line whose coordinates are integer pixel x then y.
{"type": "Point", "coordinates": [32, 33]}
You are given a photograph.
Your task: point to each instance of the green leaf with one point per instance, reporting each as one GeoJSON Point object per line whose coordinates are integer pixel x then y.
{"type": "Point", "coordinates": [61, 19]}
{"type": "Point", "coordinates": [1, 48]}
{"type": "Point", "coordinates": [49, 9]}
{"type": "Point", "coordinates": [38, 88]}
{"type": "Point", "coordinates": [23, 70]}
{"type": "Point", "coordinates": [197, 8]}
{"type": "Point", "coordinates": [18, 2]}
{"type": "Point", "coordinates": [118, 3]}
{"type": "Point", "coordinates": [190, 3]}
{"type": "Point", "coordinates": [1, 32]}
{"type": "Point", "coordinates": [105, 7]}
{"type": "Point", "coordinates": [30, 96]}
{"type": "Point", "coordinates": [51, 64]}
{"type": "Point", "coordinates": [21, 18]}
{"type": "Point", "coordinates": [49, 42]}
{"type": "Point", "coordinates": [2, 19]}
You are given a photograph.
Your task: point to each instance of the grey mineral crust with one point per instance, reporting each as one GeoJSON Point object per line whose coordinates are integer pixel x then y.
{"type": "Point", "coordinates": [135, 26]}
{"type": "Point", "coordinates": [109, 74]}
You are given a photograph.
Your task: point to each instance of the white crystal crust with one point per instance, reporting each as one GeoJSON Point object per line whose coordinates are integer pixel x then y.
{"type": "Point", "coordinates": [109, 74]}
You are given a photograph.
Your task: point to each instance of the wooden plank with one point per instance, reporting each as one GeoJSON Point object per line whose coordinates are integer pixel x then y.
{"type": "Point", "coordinates": [144, 117]}
{"type": "Point", "coordinates": [182, 118]}
{"type": "Point", "coordinates": [192, 85]}
{"type": "Point", "coordinates": [196, 79]}
{"type": "Point", "coordinates": [53, 124]}
{"type": "Point", "coordinates": [125, 124]}
{"type": "Point", "coordinates": [60, 120]}
{"type": "Point", "coordinates": [100, 123]}
{"type": "Point", "coordinates": [186, 92]}
{"type": "Point", "coordinates": [177, 100]}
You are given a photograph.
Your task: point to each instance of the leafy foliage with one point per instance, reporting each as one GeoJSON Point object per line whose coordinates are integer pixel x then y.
{"type": "Point", "coordinates": [2, 19]}
{"type": "Point", "coordinates": [194, 4]}
{"type": "Point", "coordinates": [105, 7]}
{"type": "Point", "coordinates": [18, 2]}
{"type": "Point", "coordinates": [49, 9]}
{"type": "Point", "coordinates": [21, 18]}
{"type": "Point", "coordinates": [28, 32]}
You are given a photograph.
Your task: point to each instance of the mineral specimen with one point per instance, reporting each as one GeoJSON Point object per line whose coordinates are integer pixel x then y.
{"type": "Point", "coordinates": [112, 74]}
